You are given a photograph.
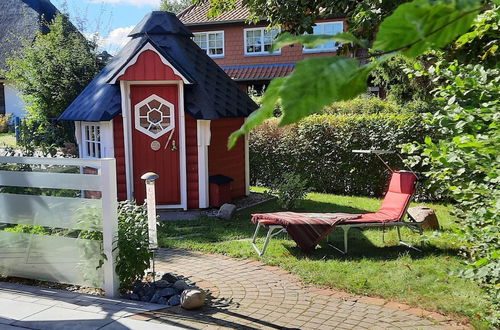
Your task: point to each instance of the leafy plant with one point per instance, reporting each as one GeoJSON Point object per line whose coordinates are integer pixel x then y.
{"type": "Point", "coordinates": [46, 136]}
{"type": "Point", "coordinates": [290, 189]}
{"type": "Point", "coordinates": [466, 166]}
{"type": "Point", "coordinates": [91, 244]}
{"type": "Point", "coordinates": [412, 29]}
{"type": "Point", "coordinates": [27, 229]}
{"type": "Point", "coordinates": [175, 6]}
{"type": "Point", "coordinates": [132, 242]}
{"type": "Point", "coordinates": [4, 123]}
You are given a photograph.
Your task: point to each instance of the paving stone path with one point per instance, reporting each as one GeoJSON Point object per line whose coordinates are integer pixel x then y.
{"type": "Point", "coordinates": [251, 295]}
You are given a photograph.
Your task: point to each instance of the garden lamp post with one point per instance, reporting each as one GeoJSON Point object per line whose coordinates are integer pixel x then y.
{"type": "Point", "coordinates": [150, 178]}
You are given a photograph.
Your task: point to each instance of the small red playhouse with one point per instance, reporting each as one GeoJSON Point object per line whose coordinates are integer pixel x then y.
{"type": "Point", "coordinates": [162, 105]}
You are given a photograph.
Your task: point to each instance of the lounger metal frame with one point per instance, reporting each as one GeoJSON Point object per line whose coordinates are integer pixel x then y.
{"type": "Point", "coordinates": [274, 230]}
{"type": "Point", "coordinates": [270, 234]}
{"type": "Point", "coordinates": [415, 226]}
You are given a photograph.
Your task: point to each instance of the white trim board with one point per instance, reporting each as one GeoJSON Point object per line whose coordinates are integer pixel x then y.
{"type": "Point", "coordinates": [134, 59]}
{"type": "Point", "coordinates": [247, 165]}
{"type": "Point", "coordinates": [203, 136]}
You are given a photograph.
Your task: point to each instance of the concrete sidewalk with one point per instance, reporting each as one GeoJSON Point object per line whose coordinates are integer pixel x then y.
{"type": "Point", "coordinates": [31, 307]}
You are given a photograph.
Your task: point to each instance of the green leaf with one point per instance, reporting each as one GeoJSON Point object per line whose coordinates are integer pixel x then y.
{"type": "Point", "coordinates": [269, 101]}
{"type": "Point", "coordinates": [319, 81]}
{"type": "Point", "coordinates": [419, 25]}
{"type": "Point", "coordinates": [312, 41]}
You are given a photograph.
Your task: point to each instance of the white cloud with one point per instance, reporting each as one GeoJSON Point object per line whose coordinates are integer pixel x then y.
{"type": "Point", "coordinates": [137, 3]}
{"type": "Point", "coordinates": [115, 41]}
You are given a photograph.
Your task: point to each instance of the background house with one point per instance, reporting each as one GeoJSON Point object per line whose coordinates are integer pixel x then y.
{"type": "Point", "coordinates": [19, 21]}
{"type": "Point", "coordinates": [242, 49]}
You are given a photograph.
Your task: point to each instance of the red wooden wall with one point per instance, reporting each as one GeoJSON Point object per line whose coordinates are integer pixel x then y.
{"type": "Point", "coordinates": [230, 163]}
{"type": "Point", "coordinates": [119, 146]}
{"type": "Point", "coordinates": [149, 67]}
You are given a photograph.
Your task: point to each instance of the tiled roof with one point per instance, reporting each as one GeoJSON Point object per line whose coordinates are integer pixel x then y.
{"type": "Point", "coordinates": [258, 72]}
{"type": "Point", "coordinates": [197, 14]}
{"type": "Point", "coordinates": [211, 94]}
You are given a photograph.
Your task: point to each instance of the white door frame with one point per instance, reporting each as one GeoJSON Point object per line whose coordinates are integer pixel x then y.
{"type": "Point", "coordinates": [127, 133]}
{"type": "Point", "coordinates": [203, 137]}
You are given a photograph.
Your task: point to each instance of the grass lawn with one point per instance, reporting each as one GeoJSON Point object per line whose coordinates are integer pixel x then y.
{"type": "Point", "coordinates": [371, 268]}
{"type": "Point", "coordinates": [7, 139]}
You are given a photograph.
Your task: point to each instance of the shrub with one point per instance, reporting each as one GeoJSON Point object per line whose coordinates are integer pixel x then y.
{"type": "Point", "coordinates": [133, 243]}
{"type": "Point", "coordinates": [4, 123]}
{"type": "Point", "coordinates": [48, 137]}
{"type": "Point", "coordinates": [465, 166]}
{"type": "Point", "coordinates": [319, 149]}
{"type": "Point", "coordinates": [362, 105]}
{"type": "Point", "coordinates": [290, 189]}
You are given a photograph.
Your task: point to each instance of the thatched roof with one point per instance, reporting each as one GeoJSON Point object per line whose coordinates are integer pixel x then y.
{"type": "Point", "coordinates": [19, 21]}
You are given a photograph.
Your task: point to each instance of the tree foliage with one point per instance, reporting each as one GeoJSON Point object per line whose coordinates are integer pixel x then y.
{"type": "Point", "coordinates": [466, 164]}
{"type": "Point", "coordinates": [53, 69]}
{"type": "Point", "coordinates": [346, 78]}
{"type": "Point", "coordinates": [402, 79]}
{"type": "Point", "coordinates": [298, 16]}
{"type": "Point", "coordinates": [175, 6]}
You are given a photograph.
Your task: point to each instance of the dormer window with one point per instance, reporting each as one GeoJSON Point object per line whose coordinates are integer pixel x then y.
{"type": "Point", "coordinates": [258, 41]}
{"type": "Point", "coordinates": [211, 42]}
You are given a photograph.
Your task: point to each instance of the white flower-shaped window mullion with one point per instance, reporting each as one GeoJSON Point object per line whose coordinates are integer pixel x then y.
{"type": "Point", "coordinates": [154, 116]}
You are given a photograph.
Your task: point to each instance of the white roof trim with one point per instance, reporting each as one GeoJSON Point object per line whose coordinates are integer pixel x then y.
{"type": "Point", "coordinates": [147, 46]}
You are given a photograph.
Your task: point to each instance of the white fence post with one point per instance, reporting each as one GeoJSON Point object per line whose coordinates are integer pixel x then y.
{"type": "Point", "coordinates": [110, 224]}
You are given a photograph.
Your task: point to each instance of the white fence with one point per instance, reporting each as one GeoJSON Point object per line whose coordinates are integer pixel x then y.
{"type": "Point", "coordinates": [48, 230]}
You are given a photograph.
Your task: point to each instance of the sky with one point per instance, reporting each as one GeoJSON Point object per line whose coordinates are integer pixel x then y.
{"type": "Point", "coordinates": [110, 21]}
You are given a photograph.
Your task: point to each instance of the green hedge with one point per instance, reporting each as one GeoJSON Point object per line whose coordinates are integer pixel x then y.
{"type": "Point", "coordinates": [319, 149]}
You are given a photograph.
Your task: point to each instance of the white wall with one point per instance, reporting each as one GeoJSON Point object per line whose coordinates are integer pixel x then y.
{"type": "Point", "coordinates": [13, 103]}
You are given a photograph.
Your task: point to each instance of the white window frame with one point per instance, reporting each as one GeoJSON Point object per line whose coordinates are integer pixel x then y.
{"type": "Point", "coordinates": [91, 147]}
{"type": "Point", "coordinates": [262, 52]}
{"type": "Point", "coordinates": [163, 103]}
{"type": "Point", "coordinates": [206, 35]}
{"type": "Point", "coordinates": [105, 141]}
{"type": "Point", "coordinates": [322, 48]}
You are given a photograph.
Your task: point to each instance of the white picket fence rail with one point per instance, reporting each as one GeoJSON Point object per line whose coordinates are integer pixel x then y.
{"type": "Point", "coordinates": [57, 212]}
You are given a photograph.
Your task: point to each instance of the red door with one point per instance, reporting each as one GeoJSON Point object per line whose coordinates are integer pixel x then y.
{"type": "Point", "coordinates": [155, 141]}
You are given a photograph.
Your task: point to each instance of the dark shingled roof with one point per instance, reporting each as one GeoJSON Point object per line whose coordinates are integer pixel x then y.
{"type": "Point", "coordinates": [19, 21]}
{"type": "Point", "coordinates": [197, 14]}
{"type": "Point", "coordinates": [211, 94]}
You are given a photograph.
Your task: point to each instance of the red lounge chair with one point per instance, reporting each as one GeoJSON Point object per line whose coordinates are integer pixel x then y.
{"type": "Point", "coordinates": [308, 229]}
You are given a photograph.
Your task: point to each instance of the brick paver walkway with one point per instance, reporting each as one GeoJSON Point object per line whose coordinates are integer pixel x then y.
{"type": "Point", "coordinates": [249, 294]}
